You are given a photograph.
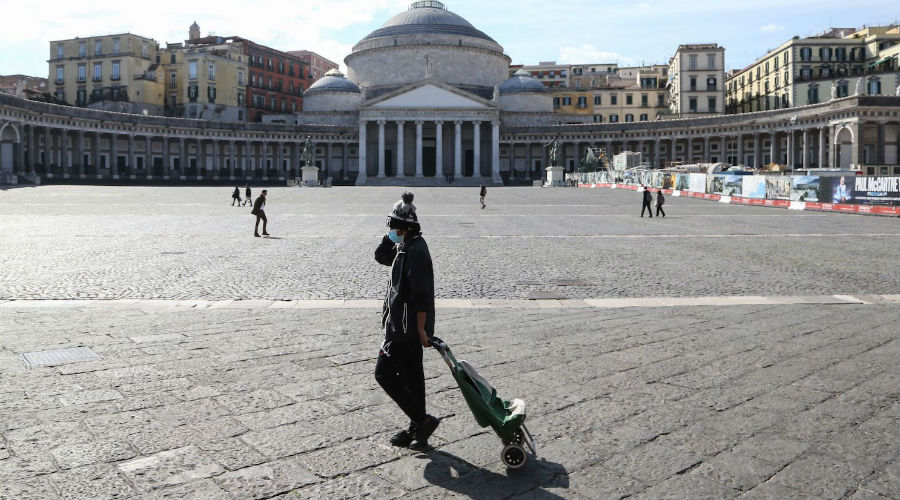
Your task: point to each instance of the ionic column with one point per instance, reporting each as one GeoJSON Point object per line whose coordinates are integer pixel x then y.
{"type": "Point", "coordinates": [789, 160]}
{"type": "Point", "coordinates": [401, 129]}
{"type": "Point", "coordinates": [361, 176]}
{"type": "Point", "coordinates": [20, 154]}
{"type": "Point", "coordinates": [293, 161]}
{"type": "Point", "coordinates": [690, 150]}
{"type": "Point", "coordinates": [280, 156]}
{"type": "Point", "coordinates": [495, 153]}
{"type": "Point", "coordinates": [79, 153]}
{"type": "Point", "coordinates": [380, 149]}
{"type": "Point", "coordinates": [706, 147]}
{"type": "Point", "coordinates": [529, 161]}
{"type": "Point", "coordinates": [880, 156]}
{"type": "Point", "coordinates": [757, 151]}
{"type": "Point", "coordinates": [232, 157]}
{"type": "Point", "coordinates": [418, 149]}
{"type": "Point", "coordinates": [166, 160]}
{"type": "Point", "coordinates": [805, 147]}
{"type": "Point", "coordinates": [48, 151]}
{"type": "Point", "coordinates": [457, 148]}
{"type": "Point", "coordinates": [673, 142]}
{"type": "Point", "coordinates": [131, 157]}
{"type": "Point", "coordinates": [259, 164]}
{"type": "Point", "coordinates": [723, 146]}
{"type": "Point", "coordinates": [344, 158]}
{"type": "Point", "coordinates": [740, 149]}
{"type": "Point", "coordinates": [439, 148]}
{"type": "Point", "coordinates": [476, 128]}
{"type": "Point", "coordinates": [64, 151]}
{"type": "Point", "coordinates": [773, 147]}
{"type": "Point", "coordinates": [182, 153]}
{"type": "Point", "coordinates": [95, 143]}
{"type": "Point", "coordinates": [148, 157]}
{"type": "Point", "coordinates": [245, 159]}
{"type": "Point", "coordinates": [327, 165]}
{"type": "Point", "coordinates": [822, 146]}
{"type": "Point", "coordinates": [656, 154]}
{"type": "Point", "coordinates": [32, 150]}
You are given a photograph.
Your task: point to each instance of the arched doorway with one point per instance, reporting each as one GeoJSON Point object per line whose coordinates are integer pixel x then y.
{"type": "Point", "coordinates": [9, 142]}
{"type": "Point", "coordinates": [843, 145]}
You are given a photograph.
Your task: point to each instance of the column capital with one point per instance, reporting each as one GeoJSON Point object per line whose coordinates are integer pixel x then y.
{"type": "Point", "coordinates": [381, 122]}
{"type": "Point", "coordinates": [439, 123]}
{"type": "Point", "coordinates": [419, 123]}
{"type": "Point", "coordinates": [401, 122]}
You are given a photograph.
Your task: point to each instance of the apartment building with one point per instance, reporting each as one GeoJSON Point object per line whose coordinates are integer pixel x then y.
{"type": "Point", "coordinates": [628, 94]}
{"type": "Point", "coordinates": [316, 64]}
{"type": "Point", "coordinates": [696, 80]}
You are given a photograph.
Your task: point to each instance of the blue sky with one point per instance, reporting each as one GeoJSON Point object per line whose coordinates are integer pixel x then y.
{"type": "Point", "coordinates": [628, 32]}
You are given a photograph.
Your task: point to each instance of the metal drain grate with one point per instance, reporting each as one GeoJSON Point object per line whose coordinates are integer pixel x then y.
{"type": "Point", "coordinates": [58, 356]}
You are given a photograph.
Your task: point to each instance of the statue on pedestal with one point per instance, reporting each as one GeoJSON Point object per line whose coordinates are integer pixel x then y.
{"type": "Point", "coordinates": [309, 152]}
{"type": "Point", "coordinates": [554, 151]}
{"type": "Point", "coordinates": [833, 91]}
{"type": "Point", "coordinates": [859, 87]}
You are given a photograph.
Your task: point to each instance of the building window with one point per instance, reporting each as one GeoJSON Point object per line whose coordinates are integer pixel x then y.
{"type": "Point", "coordinates": [660, 100]}
{"type": "Point", "coordinates": [692, 104]}
{"type": "Point", "coordinates": [60, 51]}
{"type": "Point", "coordinates": [842, 89]}
{"type": "Point", "coordinates": [211, 93]}
{"type": "Point", "coordinates": [711, 102]}
{"type": "Point", "coordinates": [283, 105]}
{"type": "Point", "coordinates": [693, 83]}
{"type": "Point", "coordinates": [784, 58]}
{"type": "Point", "coordinates": [645, 100]}
{"type": "Point", "coordinates": [293, 106]}
{"type": "Point", "coordinates": [711, 83]}
{"type": "Point", "coordinates": [291, 87]}
{"type": "Point", "coordinates": [629, 99]}
{"type": "Point", "coordinates": [567, 101]}
{"type": "Point", "coordinates": [173, 101]}
{"type": "Point", "coordinates": [98, 72]}
{"type": "Point", "coordinates": [270, 80]}
{"type": "Point", "coordinates": [192, 70]}
{"type": "Point", "coordinates": [613, 118]}
{"type": "Point", "coordinates": [555, 102]}
{"type": "Point", "coordinates": [840, 53]}
{"type": "Point", "coordinates": [252, 80]}
{"type": "Point", "coordinates": [82, 49]}
{"type": "Point", "coordinates": [81, 97]}
{"type": "Point", "coordinates": [60, 75]}
{"type": "Point", "coordinates": [874, 86]}
{"type": "Point", "coordinates": [598, 101]}
{"type": "Point", "coordinates": [806, 54]}
{"type": "Point", "coordinates": [212, 71]}
{"type": "Point", "coordinates": [115, 70]}
{"type": "Point", "coordinates": [98, 47]}
{"type": "Point", "coordinates": [172, 59]}
{"type": "Point", "coordinates": [82, 72]}
{"type": "Point", "coordinates": [173, 79]}
{"type": "Point", "coordinates": [644, 117]}
{"type": "Point", "coordinates": [711, 61]}
{"type": "Point", "coordinates": [776, 81]}
{"type": "Point", "coordinates": [240, 99]}
{"type": "Point", "coordinates": [613, 100]}
{"type": "Point", "coordinates": [115, 45]}
{"type": "Point", "coordinates": [598, 118]}
{"type": "Point", "coordinates": [240, 77]}
{"type": "Point", "coordinates": [582, 102]}
{"type": "Point", "coordinates": [192, 93]}
{"type": "Point", "coordinates": [825, 53]}
{"type": "Point", "coordinates": [692, 62]}
{"type": "Point", "coordinates": [629, 118]}
{"type": "Point", "coordinates": [145, 49]}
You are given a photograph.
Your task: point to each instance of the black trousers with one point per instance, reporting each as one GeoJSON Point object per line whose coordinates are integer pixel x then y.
{"type": "Point", "coordinates": [403, 379]}
{"type": "Point", "coordinates": [659, 209]}
{"type": "Point", "coordinates": [648, 208]}
{"type": "Point", "coordinates": [260, 216]}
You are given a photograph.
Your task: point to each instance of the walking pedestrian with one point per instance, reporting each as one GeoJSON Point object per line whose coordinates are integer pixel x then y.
{"type": "Point", "coordinates": [648, 199]}
{"type": "Point", "coordinates": [259, 211]}
{"type": "Point", "coordinates": [407, 319]}
{"type": "Point", "coordinates": [660, 201]}
{"type": "Point", "coordinates": [483, 194]}
{"type": "Point", "coordinates": [248, 195]}
{"type": "Point", "coordinates": [236, 196]}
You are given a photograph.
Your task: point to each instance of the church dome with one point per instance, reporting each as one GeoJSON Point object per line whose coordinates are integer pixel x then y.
{"type": "Point", "coordinates": [427, 17]}
{"type": "Point", "coordinates": [522, 81]}
{"type": "Point", "coordinates": [333, 81]}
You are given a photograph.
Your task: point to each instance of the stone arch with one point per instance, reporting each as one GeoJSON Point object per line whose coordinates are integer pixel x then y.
{"type": "Point", "coordinates": [9, 133]}
{"type": "Point", "coordinates": [10, 142]}
{"type": "Point", "coordinates": [844, 138]}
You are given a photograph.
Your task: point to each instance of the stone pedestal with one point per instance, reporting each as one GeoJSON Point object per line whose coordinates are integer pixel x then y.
{"type": "Point", "coordinates": [556, 176]}
{"type": "Point", "coordinates": [310, 176]}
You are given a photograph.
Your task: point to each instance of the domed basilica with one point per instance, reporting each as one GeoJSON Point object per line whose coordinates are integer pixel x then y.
{"type": "Point", "coordinates": [428, 91]}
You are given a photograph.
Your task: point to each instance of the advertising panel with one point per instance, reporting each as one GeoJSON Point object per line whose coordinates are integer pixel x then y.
{"type": "Point", "coordinates": [805, 188]}
{"type": "Point", "coordinates": [754, 186]}
{"type": "Point", "coordinates": [681, 182]}
{"type": "Point", "coordinates": [778, 188]}
{"type": "Point", "coordinates": [732, 185]}
{"type": "Point", "coordinates": [697, 183]}
{"type": "Point", "coordinates": [876, 190]}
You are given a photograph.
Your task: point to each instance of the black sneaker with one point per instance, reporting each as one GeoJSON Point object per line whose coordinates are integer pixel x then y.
{"type": "Point", "coordinates": [404, 438]}
{"type": "Point", "coordinates": [426, 429]}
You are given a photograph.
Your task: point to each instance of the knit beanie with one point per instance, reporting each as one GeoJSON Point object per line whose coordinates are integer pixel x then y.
{"type": "Point", "coordinates": [403, 215]}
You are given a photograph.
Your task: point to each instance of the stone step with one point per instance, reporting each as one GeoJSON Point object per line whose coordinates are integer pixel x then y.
{"type": "Point", "coordinates": [429, 181]}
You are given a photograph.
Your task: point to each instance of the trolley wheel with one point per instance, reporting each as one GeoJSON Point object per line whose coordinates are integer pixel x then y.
{"type": "Point", "coordinates": [513, 456]}
{"type": "Point", "coordinates": [517, 438]}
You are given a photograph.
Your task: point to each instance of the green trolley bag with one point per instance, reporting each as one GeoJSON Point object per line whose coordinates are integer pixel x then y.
{"type": "Point", "coordinates": [506, 418]}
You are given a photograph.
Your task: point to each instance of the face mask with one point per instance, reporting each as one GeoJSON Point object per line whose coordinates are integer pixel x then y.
{"type": "Point", "coordinates": [396, 238]}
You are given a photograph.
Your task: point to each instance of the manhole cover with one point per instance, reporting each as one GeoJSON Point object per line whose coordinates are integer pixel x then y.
{"type": "Point", "coordinates": [571, 283]}
{"type": "Point", "coordinates": [543, 295]}
{"type": "Point", "coordinates": [58, 356]}
{"type": "Point", "coordinates": [172, 253]}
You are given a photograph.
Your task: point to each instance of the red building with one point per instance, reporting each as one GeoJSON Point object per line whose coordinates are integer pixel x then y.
{"type": "Point", "coordinates": [317, 64]}
{"type": "Point", "coordinates": [277, 81]}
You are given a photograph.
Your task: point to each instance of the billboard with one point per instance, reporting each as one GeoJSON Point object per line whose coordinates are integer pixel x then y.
{"type": "Point", "coordinates": [805, 188]}
{"type": "Point", "coordinates": [754, 186]}
{"type": "Point", "coordinates": [778, 188]}
{"type": "Point", "coordinates": [732, 185]}
{"type": "Point", "coordinates": [697, 183]}
{"type": "Point", "coordinates": [875, 190]}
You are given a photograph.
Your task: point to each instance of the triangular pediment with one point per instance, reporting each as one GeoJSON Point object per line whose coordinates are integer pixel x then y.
{"type": "Point", "coordinates": [430, 94]}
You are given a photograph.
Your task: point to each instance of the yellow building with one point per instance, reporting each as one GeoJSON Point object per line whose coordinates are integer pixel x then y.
{"type": "Point", "coordinates": [805, 71]}
{"type": "Point", "coordinates": [628, 94]}
{"type": "Point", "coordinates": [206, 79]}
{"type": "Point", "coordinates": [115, 72]}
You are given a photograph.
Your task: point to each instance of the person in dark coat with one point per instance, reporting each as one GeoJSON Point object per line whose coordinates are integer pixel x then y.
{"type": "Point", "coordinates": [236, 196]}
{"type": "Point", "coordinates": [248, 194]}
{"type": "Point", "coordinates": [483, 194]}
{"type": "Point", "coordinates": [408, 321]}
{"type": "Point", "coordinates": [660, 201]}
{"type": "Point", "coordinates": [648, 199]}
{"type": "Point", "coordinates": [259, 211]}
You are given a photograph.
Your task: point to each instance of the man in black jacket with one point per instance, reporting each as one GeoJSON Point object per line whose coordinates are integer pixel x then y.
{"type": "Point", "coordinates": [648, 199]}
{"type": "Point", "coordinates": [660, 201]}
{"type": "Point", "coordinates": [407, 319]}
{"type": "Point", "coordinates": [483, 193]}
{"type": "Point", "coordinates": [259, 211]}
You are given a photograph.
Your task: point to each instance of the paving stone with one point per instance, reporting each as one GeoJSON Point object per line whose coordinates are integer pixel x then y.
{"type": "Point", "coordinates": [736, 471]}
{"type": "Point", "coordinates": [97, 451]}
{"type": "Point", "coordinates": [885, 482]}
{"type": "Point", "coordinates": [771, 448]}
{"type": "Point", "coordinates": [687, 486]}
{"type": "Point", "coordinates": [232, 453]}
{"type": "Point", "coordinates": [91, 482]}
{"type": "Point", "coordinates": [204, 489]}
{"type": "Point", "coordinates": [249, 402]}
{"type": "Point", "coordinates": [820, 475]}
{"type": "Point", "coordinates": [351, 486]}
{"type": "Point", "coordinates": [775, 491]}
{"type": "Point", "coordinates": [652, 462]}
{"type": "Point", "coordinates": [597, 481]}
{"type": "Point", "coordinates": [188, 412]}
{"type": "Point", "coordinates": [92, 396]}
{"type": "Point", "coordinates": [290, 439]}
{"type": "Point", "coordinates": [268, 479]}
{"type": "Point", "coordinates": [35, 488]}
{"type": "Point", "coordinates": [348, 457]}
{"type": "Point", "coordinates": [408, 471]}
{"type": "Point", "coordinates": [168, 468]}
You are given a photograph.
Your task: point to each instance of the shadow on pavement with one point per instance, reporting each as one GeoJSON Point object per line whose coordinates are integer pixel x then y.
{"type": "Point", "coordinates": [452, 473]}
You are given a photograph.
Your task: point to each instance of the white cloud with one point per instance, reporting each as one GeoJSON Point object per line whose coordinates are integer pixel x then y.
{"type": "Point", "coordinates": [771, 27]}
{"type": "Point", "coordinates": [587, 53]}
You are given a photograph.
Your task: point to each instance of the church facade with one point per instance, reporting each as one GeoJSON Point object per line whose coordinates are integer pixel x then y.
{"type": "Point", "coordinates": [427, 100]}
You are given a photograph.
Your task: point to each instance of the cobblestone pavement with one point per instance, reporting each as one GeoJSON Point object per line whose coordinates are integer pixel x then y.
{"type": "Point", "coordinates": [774, 375]}
{"type": "Point", "coordinates": [71, 242]}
